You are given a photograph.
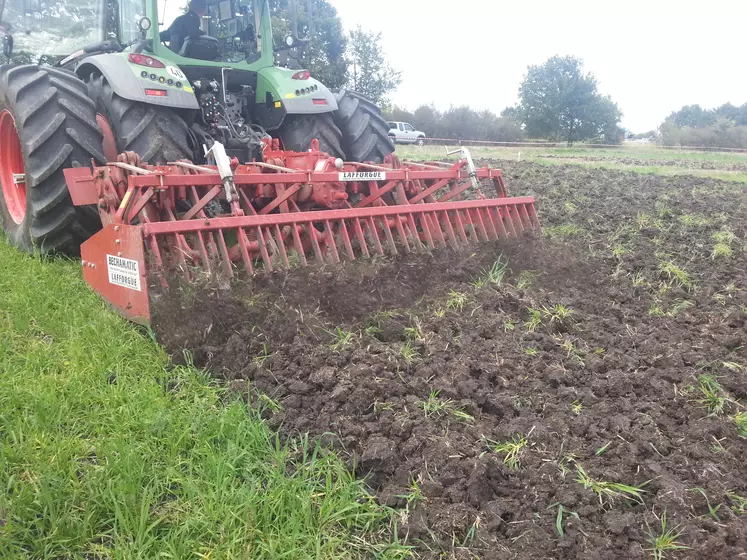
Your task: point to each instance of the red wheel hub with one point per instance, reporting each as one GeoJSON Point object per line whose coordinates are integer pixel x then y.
{"type": "Point", "coordinates": [12, 172]}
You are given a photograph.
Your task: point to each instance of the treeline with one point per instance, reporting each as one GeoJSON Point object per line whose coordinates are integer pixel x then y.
{"type": "Point", "coordinates": [462, 123]}
{"type": "Point", "coordinates": [723, 127]}
{"type": "Point", "coordinates": [558, 102]}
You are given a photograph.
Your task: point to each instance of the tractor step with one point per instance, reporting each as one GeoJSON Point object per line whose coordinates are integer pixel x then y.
{"type": "Point", "coordinates": [291, 209]}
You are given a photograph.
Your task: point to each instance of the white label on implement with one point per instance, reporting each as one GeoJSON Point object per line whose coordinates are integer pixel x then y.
{"type": "Point", "coordinates": [178, 74]}
{"type": "Point", "coordinates": [123, 272]}
{"type": "Point", "coordinates": [363, 176]}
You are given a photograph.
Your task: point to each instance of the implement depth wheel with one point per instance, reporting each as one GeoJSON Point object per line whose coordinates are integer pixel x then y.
{"type": "Point", "coordinates": [47, 124]}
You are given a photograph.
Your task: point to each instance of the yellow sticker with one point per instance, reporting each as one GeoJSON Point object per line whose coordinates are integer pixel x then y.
{"type": "Point", "coordinates": [188, 89]}
{"type": "Point", "coordinates": [278, 104]}
{"type": "Point", "coordinates": [290, 95]}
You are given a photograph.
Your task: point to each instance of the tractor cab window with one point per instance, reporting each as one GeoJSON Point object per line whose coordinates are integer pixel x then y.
{"type": "Point", "coordinates": [130, 14]}
{"type": "Point", "coordinates": [218, 30]}
{"type": "Point", "coordinates": [46, 31]}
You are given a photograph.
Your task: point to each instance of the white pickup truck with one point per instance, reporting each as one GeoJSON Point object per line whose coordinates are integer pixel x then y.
{"type": "Point", "coordinates": [405, 133]}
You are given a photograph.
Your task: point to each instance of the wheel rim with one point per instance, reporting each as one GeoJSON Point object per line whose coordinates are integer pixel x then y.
{"type": "Point", "coordinates": [109, 143]}
{"type": "Point", "coordinates": [12, 171]}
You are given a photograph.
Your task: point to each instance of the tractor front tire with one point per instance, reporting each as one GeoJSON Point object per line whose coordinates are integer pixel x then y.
{"type": "Point", "coordinates": [47, 124]}
{"type": "Point", "coordinates": [298, 131]}
{"type": "Point", "coordinates": [365, 133]}
{"type": "Point", "coordinates": [157, 134]}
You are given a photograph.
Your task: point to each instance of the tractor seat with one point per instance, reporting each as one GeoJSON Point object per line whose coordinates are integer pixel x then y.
{"type": "Point", "coordinates": [203, 47]}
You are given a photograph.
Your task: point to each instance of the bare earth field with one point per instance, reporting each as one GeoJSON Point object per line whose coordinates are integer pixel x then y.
{"type": "Point", "coordinates": [585, 402]}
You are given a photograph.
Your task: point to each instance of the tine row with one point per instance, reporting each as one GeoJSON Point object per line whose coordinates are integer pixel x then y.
{"type": "Point", "coordinates": [327, 241]}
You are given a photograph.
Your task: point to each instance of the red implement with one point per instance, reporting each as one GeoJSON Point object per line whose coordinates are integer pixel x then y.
{"type": "Point", "coordinates": [291, 209]}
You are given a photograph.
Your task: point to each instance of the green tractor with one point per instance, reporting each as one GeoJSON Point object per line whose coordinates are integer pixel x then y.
{"type": "Point", "coordinates": [87, 81]}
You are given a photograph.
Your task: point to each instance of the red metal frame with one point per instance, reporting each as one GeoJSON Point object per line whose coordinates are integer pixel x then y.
{"type": "Point", "coordinates": [291, 208]}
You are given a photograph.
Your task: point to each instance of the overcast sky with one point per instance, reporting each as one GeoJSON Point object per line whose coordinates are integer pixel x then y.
{"type": "Point", "coordinates": [651, 56]}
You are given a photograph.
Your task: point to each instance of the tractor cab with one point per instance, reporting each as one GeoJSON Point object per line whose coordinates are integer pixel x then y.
{"type": "Point", "coordinates": [212, 30]}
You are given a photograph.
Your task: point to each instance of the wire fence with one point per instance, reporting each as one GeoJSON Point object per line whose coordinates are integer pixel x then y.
{"type": "Point", "coordinates": [540, 144]}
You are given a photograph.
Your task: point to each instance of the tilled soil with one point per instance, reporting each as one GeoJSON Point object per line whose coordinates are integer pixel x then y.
{"type": "Point", "coordinates": [593, 351]}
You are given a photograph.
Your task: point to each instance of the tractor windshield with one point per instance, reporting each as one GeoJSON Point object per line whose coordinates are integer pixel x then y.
{"type": "Point", "coordinates": [230, 25]}
{"type": "Point", "coordinates": [44, 31]}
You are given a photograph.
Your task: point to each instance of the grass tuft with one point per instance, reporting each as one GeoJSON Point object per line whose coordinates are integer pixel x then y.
{"type": "Point", "coordinates": [712, 395]}
{"type": "Point", "coordinates": [675, 274]}
{"type": "Point", "coordinates": [342, 339]}
{"type": "Point", "coordinates": [434, 406]}
{"type": "Point", "coordinates": [494, 275]}
{"type": "Point", "coordinates": [665, 540]}
{"type": "Point", "coordinates": [456, 300]}
{"type": "Point", "coordinates": [609, 491]}
{"type": "Point", "coordinates": [511, 450]}
{"type": "Point", "coordinates": [740, 420]}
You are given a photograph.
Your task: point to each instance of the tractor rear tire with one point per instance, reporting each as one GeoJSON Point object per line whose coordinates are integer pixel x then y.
{"type": "Point", "coordinates": [157, 134]}
{"type": "Point", "coordinates": [365, 133]}
{"type": "Point", "coordinates": [298, 131]}
{"type": "Point", "coordinates": [47, 124]}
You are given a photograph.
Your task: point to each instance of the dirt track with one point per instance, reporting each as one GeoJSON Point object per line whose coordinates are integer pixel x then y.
{"type": "Point", "coordinates": [607, 382]}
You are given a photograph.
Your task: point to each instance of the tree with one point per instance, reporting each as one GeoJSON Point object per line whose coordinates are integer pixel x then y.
{"type": "Point", "coordinates": [370, 73]}
{"type": "Point", "coordinates": [324, 54]}
{"type": "Point", "coordinates": [693, 116]}
{"type": "Point", "coordinates": [559, 101]}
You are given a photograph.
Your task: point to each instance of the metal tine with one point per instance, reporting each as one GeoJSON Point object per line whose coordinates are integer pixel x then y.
{"type": "Point", "coordinates": [460, 226]}
{"type": "Point", "coordinates": [437, 227]}
{"type": "Point", "coordinates": [375, 235]}
{"type": "Point", "coordinates": [449, 228]}
{"type": "Point", "coordinates": [298, 245]}
{"type": "Point", "coordinates": [533, 217]}
{"type": "Point", "coordinates": [281, 243]}
{"type": "Point", "coordinates": [315, 242]}
{"type": "Point", "coordinates": [203, 251]}
{"type": "Point", "coordinates": [526, 222]}
{"type": "Point", "coordinates": [156, 252]}
{"type": "Point", "coordinates": [388, 234]}
{"type": "Point", "coordinates": [402, 234]}
{"type": "Point", "coordinates": [427, 231]}
{"type": "Point", "coordinates": [361, 238]}
{"type": "Point", "coordinates": [263, 249]}
{"type": "Point", "coordinates": [508, 221]}
{"type": "Point", "coordinates": [498, 221]}
{"type": "Point", "coordinates": [224, 254]}
{"type": "Point", "coordinates": [343, 229]}
{"type": "Point", "coordinates": [411, 231]}
{"type": "Point", "coordinates": [488, 220]}
{"type": "Point", "coordinates": [329, 234]}
{"type": "Point", "coordinates": [243, 242]}
{"type": "Point", "coordinates": [476, 217]}
{"type": "Point", "coordinates": [516, 217]}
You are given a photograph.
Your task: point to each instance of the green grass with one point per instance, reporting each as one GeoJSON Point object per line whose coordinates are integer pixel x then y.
{"type": "Point", "coordinates": [511, 450]}
{"type": "Point", "coordinates": [540, 155]}
{"type": "Point", "coordinates": [665, 540]}
{"type": "Point", "coordinates": [740, 420]}
{"type": "Point", "coordinates": [609, 491]}
{"type": "Point", "coordinates": [436, 407]}
{"type": "Point", "coordinates": [712, 395]}
{"type": "Point", "coordinates": [108, 452]}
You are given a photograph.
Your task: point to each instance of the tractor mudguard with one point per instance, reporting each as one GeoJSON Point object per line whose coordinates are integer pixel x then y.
{"type": "Point", "coordinates": [279, 94]}
{"type": "Point", "coordinates": [167, 86]}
